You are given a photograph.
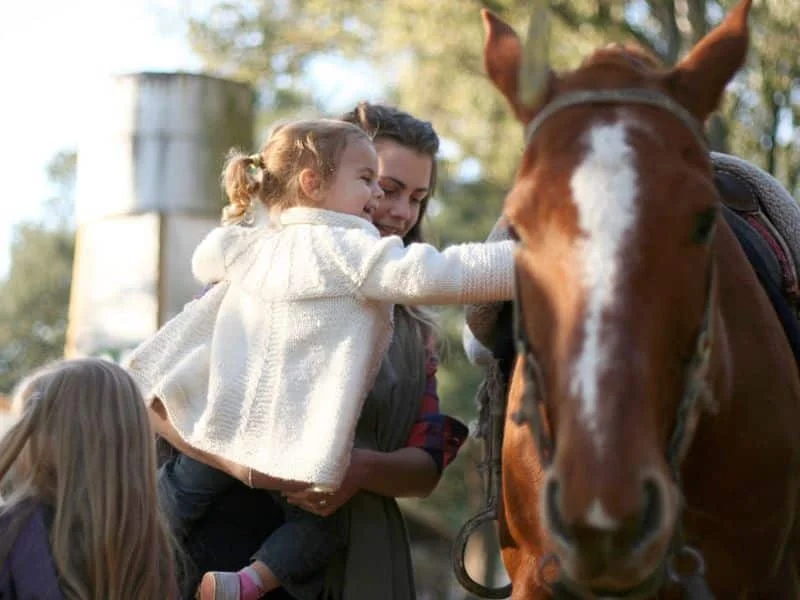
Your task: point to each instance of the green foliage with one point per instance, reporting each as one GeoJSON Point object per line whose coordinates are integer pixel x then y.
{"type": "Point", "coordinates": [764, 109]}
{"type": "Point", "coordinates": [34, 298]}
{"type": "Point", "coordinates": [433, 54]}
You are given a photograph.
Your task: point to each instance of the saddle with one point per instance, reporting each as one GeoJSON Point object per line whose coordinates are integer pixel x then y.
{"type": "Point", "coordinates": [770, 211]}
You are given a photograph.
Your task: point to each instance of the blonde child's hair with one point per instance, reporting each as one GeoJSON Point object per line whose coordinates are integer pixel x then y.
{"type": "Point", "coordinates": [83, 445]}
{"type": "Point", "coordinates": [272, 175]}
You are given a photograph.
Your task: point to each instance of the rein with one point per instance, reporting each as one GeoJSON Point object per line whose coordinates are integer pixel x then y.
{"type": "Point", "coordinates": [697, 394]}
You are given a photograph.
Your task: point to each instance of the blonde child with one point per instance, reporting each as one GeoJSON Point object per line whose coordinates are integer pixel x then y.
{"type": "Point", "coordinates": [269, 369]}
{"type": "Point", "coordinates": [79, 515]}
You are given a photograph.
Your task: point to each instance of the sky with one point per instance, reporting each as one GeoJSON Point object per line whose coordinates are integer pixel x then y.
{"type": "Point", "coordinates": [52, 52]}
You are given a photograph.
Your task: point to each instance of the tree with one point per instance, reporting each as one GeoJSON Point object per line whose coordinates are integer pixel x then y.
{"type": "Point", "coordinates": [34, 298]}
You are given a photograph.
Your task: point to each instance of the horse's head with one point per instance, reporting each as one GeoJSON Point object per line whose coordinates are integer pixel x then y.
{"type": "Point", "coordinates": [615, 211]}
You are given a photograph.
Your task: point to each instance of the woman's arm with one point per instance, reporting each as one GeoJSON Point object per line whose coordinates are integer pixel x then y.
{"type": "Point", "coordinates": [404, 473]}
{"type": "Point", "coordinates": [407, 472]}
{"type": "Point", "coordinates": [412, 471]}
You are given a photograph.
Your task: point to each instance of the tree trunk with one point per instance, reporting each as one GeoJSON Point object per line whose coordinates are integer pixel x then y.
{"type": "Point", "coordinates": [793, 180]}
{"type": "Point", "coordinates": [664, 13]}
{"type": "Point", "coordinates": [717, 133]}
{"type": "Point", "coordinates": [772, 107]}
{"type": "Point", "coordinates": [697, 20]}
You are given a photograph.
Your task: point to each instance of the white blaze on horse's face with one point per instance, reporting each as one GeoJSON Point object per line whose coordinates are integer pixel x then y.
{"type": "Point", "coordinates": [598, 518]}
{"type": "Point", "coordinates": [604, 190]}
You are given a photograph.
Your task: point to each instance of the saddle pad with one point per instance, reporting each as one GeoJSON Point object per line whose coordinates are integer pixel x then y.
{"type": "Point", "coordinates": [768, 207]}
{"type": "Point", "coordinates": [765, 265]}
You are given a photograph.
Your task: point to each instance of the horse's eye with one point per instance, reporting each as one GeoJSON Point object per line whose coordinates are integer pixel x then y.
{"type": "Point", "coordinates": [512, 232]}
{"type": "Point", "coordinates": [704, 225]}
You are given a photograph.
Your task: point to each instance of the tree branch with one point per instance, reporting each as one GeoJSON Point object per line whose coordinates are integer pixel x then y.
{"type": "Point", "coordinates": [697, 19]}
{"type": "Point", "coordinates": [603, 21]}
{"type": "Point", "coordinates": [603, 10]}
{"type": "Point", "coordinates": [663, 11]}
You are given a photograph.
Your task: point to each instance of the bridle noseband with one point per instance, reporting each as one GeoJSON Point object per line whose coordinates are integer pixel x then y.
{"type": "Point", "coordinates": [697, 390]}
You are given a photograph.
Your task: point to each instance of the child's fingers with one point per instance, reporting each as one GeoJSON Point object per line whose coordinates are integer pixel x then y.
{"type": "Point", "coordinates": [313, 502]}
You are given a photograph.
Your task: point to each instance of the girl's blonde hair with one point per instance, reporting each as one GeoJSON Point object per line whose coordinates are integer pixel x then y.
{"type": "Point", "coordinates": [83, 445]}
{"type": "Point", "coordinates": [272, 175]}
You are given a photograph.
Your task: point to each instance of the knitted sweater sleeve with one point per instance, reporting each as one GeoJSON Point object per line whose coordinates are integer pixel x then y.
{"type": "Point", "coordinates": [421, 274]}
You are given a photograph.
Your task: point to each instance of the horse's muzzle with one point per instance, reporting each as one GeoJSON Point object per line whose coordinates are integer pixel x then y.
{"type": "Point", "coordinates": [615, 553]}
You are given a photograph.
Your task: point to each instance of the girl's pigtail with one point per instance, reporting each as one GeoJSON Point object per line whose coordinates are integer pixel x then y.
{"type": "Point", "coordinates": [242, 182]}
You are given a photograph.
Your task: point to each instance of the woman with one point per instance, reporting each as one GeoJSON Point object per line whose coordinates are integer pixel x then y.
{"type": "Point", "coordinates": [402, 441]}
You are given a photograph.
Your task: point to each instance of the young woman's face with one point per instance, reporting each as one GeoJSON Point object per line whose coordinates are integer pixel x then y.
{"type": "Point", "coordinates": [405, 176]}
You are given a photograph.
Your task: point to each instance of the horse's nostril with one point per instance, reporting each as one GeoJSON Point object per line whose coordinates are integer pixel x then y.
{"type": "Point", "coordinates": [554, 518]}
{"type": "Point", "coordinates": [625, 534]}
{"type": "Point", "coordinates": [652, 512]}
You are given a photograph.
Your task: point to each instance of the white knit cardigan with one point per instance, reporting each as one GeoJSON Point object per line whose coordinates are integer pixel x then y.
{"type": "Point", "coordinates": [270, 368]}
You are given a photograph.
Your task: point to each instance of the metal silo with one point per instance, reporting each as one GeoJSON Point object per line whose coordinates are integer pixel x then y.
{"type": "Point", "coordinates": [148, 190]}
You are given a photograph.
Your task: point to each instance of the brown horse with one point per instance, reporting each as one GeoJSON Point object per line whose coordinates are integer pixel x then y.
{"type": "Point", "coordinates": [651, 439]}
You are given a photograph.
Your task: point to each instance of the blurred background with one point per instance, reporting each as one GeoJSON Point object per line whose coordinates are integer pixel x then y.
{"type": "Point", "coordinates": [65, 113]}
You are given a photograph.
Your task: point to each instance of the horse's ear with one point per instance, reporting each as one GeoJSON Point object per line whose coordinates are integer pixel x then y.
{"type": "Point", "coordinates": [502, 58]}
{"type": "Point", "coordinates": [699, 80]}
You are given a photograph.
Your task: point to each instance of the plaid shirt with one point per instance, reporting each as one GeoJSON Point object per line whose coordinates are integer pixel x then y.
{"type": "Point", "coordinates": [439, 435]}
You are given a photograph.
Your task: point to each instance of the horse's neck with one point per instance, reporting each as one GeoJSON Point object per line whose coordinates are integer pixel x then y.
{"type": "Point", "coordinates": [755, 375]}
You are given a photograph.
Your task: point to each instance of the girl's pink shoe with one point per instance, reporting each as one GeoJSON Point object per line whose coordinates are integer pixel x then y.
{"type": "Point", "coordinates": [227, 585]}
